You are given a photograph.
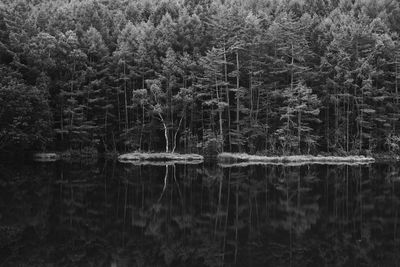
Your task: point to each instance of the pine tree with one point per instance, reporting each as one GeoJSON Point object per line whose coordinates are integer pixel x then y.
{"type": "Point", "coordinates": [25, 116]}
{"type": "Point", "coordinates": [291, 55]}
{"type": "Point", "coordinates": [74, 116]}
{"type": "Point", "coordinates": [126, 73]}
{"type": "Point", "coordinates": [298, 116]}
{"type": "Point", "coordinates": [211, 84]}
{"type": "Point", "coordinates": [96, 89]}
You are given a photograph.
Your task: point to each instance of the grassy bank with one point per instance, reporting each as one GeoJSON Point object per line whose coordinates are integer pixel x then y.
{"type": "Point", "coordinates": [160, 157]}
{"type": "Point", "coordinates": [162, 162]}
{"type": "Point", "coordinates": [242, 159]}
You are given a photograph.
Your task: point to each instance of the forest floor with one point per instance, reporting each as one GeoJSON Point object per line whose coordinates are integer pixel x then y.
{"type": "Point", "coordinates": [242, 159]}
{"type": "Point", "coordinates": [160, 157]}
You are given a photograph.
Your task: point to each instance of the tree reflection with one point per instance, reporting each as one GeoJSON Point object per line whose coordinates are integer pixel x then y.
{"type": "Point", "coordinates": [108, 214]}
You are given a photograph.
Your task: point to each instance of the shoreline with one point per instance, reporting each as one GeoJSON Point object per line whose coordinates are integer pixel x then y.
{"type": "Point", "coordinates": [242, 159]}
{"type": "Point", "coordinates": [223, 159]}
{"type": "Point", "coordinates": [291, 164]}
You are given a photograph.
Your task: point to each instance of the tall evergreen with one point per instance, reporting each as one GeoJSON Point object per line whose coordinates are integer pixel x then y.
{"type": "Point", "coordinates": [254, 76]}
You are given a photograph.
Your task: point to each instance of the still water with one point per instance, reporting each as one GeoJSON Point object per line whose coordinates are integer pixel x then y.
{"type": "Point", "coordinates": [119, 215]}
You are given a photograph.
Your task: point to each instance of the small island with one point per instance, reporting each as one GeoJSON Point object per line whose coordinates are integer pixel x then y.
{"type": "Point", "coordinates": [162, 157]}
{"type": "Point", "coordinates": [243, 159]}
{"type": "Point", "coordinates": [46, 157]}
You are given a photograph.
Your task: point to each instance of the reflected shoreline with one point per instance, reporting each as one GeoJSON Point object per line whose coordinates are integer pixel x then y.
{"type": "Point", "coordinates": [107, 213]}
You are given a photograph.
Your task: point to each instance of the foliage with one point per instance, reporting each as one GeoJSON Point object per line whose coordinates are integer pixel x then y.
{"type": "Point", "coordinates": [168, 75]}
{"type": "Point", "coordinates": [301, 111]}
{"type": "Point", "coordinates": [25, 117]}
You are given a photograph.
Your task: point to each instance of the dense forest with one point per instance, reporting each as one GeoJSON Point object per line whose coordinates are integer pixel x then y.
{"type": "Point", "coordinates": [256, 76]}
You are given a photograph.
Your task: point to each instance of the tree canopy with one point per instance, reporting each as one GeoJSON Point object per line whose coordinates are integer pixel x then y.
{"type": "Point", "coordinates": [254, 76]}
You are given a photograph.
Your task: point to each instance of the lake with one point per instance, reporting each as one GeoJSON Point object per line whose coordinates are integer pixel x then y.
{"type": "Point", "coordinates": [119, 215]}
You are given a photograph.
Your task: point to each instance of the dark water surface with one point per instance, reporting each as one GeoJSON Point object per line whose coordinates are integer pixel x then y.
{"type": "Point", "coordinates": [109, 214]}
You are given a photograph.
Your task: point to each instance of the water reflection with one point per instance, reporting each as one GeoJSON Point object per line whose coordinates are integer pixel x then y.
{"type": "Point", "coordinates": [109, 214]}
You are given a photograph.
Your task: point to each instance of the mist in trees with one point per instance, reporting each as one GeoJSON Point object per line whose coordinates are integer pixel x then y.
{"type": "Point", "coordinates": [272, 77]}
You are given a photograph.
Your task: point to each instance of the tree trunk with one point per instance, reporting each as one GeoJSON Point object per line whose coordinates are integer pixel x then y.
{"type": "Point", "coordinates": [126, 101]}
{"type": "Point", "coordinates": [165, 133]}
{"type": "Point", "coordinates": [251, 89]}
{"type": "Point", "coordinates": [72, 89]}
{"type": "Point", "coordinates": [361, 116]}
{"type": "Point", "coordinates": [396, 81]}
{"type": "Point", "coordinates": [176, 133]}
{"type": "Point", "coordinates": [237, 99]}
{"type": "Point", "coordinates": [119, 111]}
{"type": "Point", "coordinates": [62, 122]}
{"type": "Point", "coordinates": [347, 123]}
{"type": "Point", "coordinates": [105, 122]}
{"type": "Point", "coordinates": [397, 76]}
{"type": "Point", "coordinates": [258, 104]}
{"type": "Point", "coordinates": [219, 114]}
{"type": "Point", "coordinates": [141, 130]}
{"type": "Point", "coordinates": [227, 99]}
{"type": "Point", "coordinates": [291, 70]}
{"type": "Point", "coordinates": [336, 118]}
{"type": "Point", "coordinates": [299, 131]}
{"type": "Point", "coordinates": [291, 89]}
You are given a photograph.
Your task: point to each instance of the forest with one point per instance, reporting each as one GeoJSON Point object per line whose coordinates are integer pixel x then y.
{"type": "Point", "coordinates": [258, 76]}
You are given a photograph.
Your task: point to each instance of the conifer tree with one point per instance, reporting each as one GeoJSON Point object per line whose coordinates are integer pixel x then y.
{"type": "Point", "coordinates": [298, 116]}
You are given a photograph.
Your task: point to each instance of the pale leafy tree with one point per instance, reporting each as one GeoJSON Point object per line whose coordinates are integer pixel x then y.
{"type": "Point", "coordinates": [169, 76]}
{"type": "Point", "coordinates": [182, 100]}
{"type": "Point", "coordinates": [169, 98]}
{"type": "Point", "coordinates": [159, 107]}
